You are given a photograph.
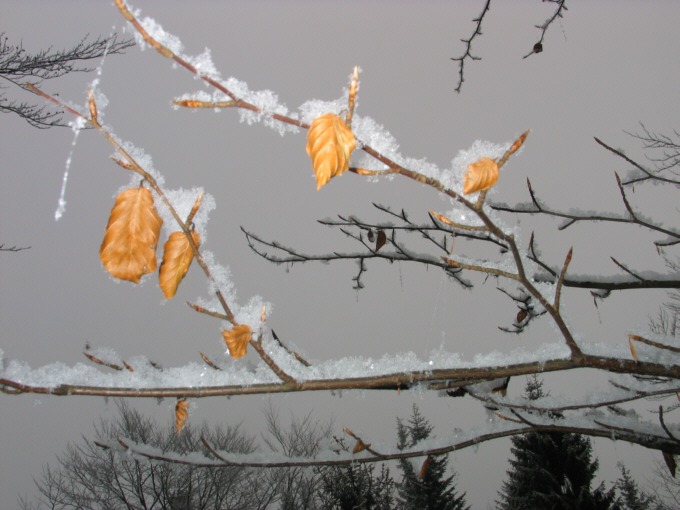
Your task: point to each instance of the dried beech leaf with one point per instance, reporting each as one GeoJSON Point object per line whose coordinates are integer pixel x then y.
{"type": "Point", "coordinates": [237, 340]}
{"type": "Point", "coordinates": [382, 239]}
{"type": "Point", "coordinates": [670, 462]}
{"type": "Point", "coordinates": [423, 469]}
{"type": "Point", "coordinates": [329, 144]}
{"type": "Point", "coordinates": [360, 446]}
{"type": "Point", "coordinates": [481, 175]}
{"type": "Point", "coordinates": [632, 349]}
{"type": "Point", "coordinates": [128, 250]}
{"type": "Point", "coordinates": [371, 236]}
{"type": "Point", "coordinates": [521, 315]}
{"type": "Point", "coordinates": [181, 414]}
{"type": "Point", "coordinates": [177, 257]}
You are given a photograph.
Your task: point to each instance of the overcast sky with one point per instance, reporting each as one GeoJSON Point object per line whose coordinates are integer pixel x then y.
{"type": "Point", "coordinates": [605, 67]}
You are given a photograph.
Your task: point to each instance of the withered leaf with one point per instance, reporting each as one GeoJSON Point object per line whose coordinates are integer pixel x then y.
{"type": "Point", "coordinates": [521, 315]}
{"type": "Point", "coordinates": [632, 350]}
{"type": "Point", "coordinates": [177, 257]}
{"type": "Point", "coordinates": [481, 175]}
{"type": "Point", "coordinates": [181, 414]}
{"type": "Point", "coordinates": [128, 250]}
{"type": "Point", "coordinates": [423, 469]}
{"type": "Point", "coordinates": [329, 145]}
{"type": "Point", "coordinates": [670, 462]}
{"type": "Point", "coordinates": [382, 239]}
{"type": "Point", "coordinates": [237, 340]}
{"type": "Point", "coordinates": [360, 446]}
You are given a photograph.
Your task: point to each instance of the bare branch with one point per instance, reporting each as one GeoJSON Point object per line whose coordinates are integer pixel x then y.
{"type": "Point", "coordinates": [538, 46]}
{"type": "Point", "coordinates": [468, 46]}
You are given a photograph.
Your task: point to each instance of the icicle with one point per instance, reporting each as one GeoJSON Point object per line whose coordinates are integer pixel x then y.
{"type": "Point", "coordinates": [76, 126]}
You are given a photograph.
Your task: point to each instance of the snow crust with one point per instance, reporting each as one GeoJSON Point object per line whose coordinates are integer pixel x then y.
{"type": "Point", "coordinates": [236, 372]}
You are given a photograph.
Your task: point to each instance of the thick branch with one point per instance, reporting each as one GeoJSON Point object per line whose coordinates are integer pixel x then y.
{"type": "Point", "coordinates": [454, 377]}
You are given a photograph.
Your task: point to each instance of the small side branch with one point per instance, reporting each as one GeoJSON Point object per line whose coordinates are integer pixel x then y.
{"type": "Point", "coordinates": [538, 47]}
{"type": "Point", "coordinates": [468, 46]}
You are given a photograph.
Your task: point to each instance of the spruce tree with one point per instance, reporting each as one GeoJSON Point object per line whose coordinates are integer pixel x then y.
{"type": "Point", "coordinates": [552, 470]}
{"type": "Point", "coordinates": [433, 491]}
{"type": "Point", "coordinates": [354, 487]}
{"type": "Point", "coordinates": [632, 498]}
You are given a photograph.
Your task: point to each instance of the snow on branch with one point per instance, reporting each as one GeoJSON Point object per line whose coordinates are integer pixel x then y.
{"type": "Point", "coordinates": [536, 286]}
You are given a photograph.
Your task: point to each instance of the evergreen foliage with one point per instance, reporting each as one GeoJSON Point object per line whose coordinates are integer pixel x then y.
{"type": "Point", "coordinates": [354, 487]}
{"type": "Point", "coordinates": [631, 497]}
{"type": "Point", "coordinates": [433, 491]}
{"type": "Point", "coordinates": [552, 470]}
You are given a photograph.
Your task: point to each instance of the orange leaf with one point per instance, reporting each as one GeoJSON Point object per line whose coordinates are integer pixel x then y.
{"type": "Point", "coordinates": [632, 349]}
{"type": "Point", "coordinates": [423, 469]}
{"type": "Point", "coordinates": [177, 257]}
{"type": "Point", "coordinates": [181, 414]}
{"type": "Point", "coordinates": [237, 340]}
{"type": "Point", "coordinates": [481, 175]}
{"type": "Point", "coordinates": [360, 446]}
{"type": "Point", "coordinates": [128, 250]}
{"type": "Point", "coordinates": [329, 144]}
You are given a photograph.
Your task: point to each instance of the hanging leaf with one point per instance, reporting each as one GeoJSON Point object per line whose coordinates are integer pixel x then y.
{"type": "Point", "coordinates": [181, 414]}
{"type": "Point", "coordinates": [670, 462]}
{"type": "Point", "coordinates": [329, 145]}
{"type": "Point", "coordinates": [237, 340]}
{"type": "Point", "coordinates": [128, 250]}
{"type": "Point", "coordinates": [177, 257]}
{"type": "Point", "coordinates": [382, 239]}
{"type": "Point", "coordinates": [481, 175]}
{"type": "Point", "coordinates": [423, 469]}
{"type": "Point", "coordinates": [521, 315]}
{"type": "Point", "coordinates": [632, 350]}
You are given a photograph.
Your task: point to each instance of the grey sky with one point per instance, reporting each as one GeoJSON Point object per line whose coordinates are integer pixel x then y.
{"type": "Point", "coordinates": [606, 66]}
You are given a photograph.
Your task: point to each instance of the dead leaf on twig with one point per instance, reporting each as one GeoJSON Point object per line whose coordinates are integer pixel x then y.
{"type": "Point", "coordinates": [669, 458]}
{"type": "Point", "coordinates": [481, 175]}
{"type": "Point", "coordinates": [423, 469]}
{"type": "Point", "coordinates": [632, 350]}
{"type": "Point", "coordinates": [181, 414]}
{"type": "Point", "coordinates": [128, 250]}
{"type": "Point", "coordinates": [329, 144]}
{"type": "Point", "coordinates": [521, 315]}
{"type": "Point", "coordinates": [177, 257]}
{"type": "Point", "coordinates": [237, 340]}
{"type": "Point", "coordinates": [360, 446]}
{"type": "Point", "coordinates": [382, 239]}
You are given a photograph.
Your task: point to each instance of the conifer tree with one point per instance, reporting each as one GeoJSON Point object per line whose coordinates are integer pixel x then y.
{"type": "Point", "coordinates": [632, 498]}
{"type": "Point", "coordinates": [354, 487]}
{"type": "Point", "coordinates": [432, 491]}
{"type": "Point", "coordinates": [552, 470]}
